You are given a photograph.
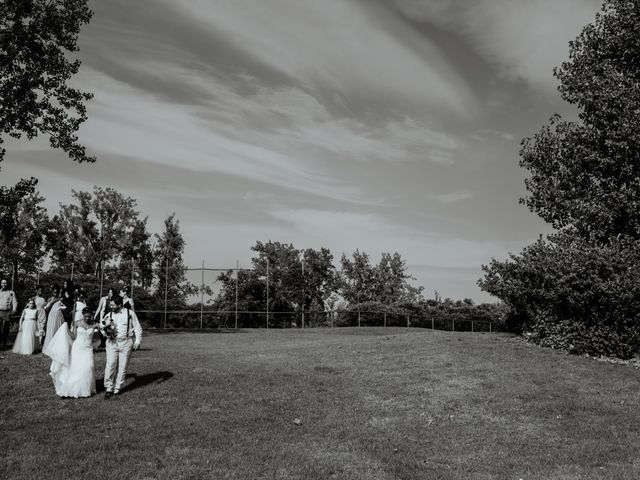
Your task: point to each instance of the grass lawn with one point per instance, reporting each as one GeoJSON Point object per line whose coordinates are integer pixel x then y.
{"type": "Point", "coordinates": [373, 403]}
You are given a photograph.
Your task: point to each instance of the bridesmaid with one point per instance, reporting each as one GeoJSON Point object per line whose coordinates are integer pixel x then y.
{"type": "Point", "coordinates": [27, 339]}
{"type": "Point", "coordinates": [68, 295]}
{"type": "Point", "coordinates": [54, 320]}
{"type": "Point", "coordinates": [53, 298]}
{"type": "Point", "coordinates": [42, 314]}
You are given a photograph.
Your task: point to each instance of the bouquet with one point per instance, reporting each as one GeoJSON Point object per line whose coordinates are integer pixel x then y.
{"type": "Point", "coordinates": [109, 330]}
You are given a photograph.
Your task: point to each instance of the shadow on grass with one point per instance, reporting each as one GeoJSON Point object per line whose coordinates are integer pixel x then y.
{"type": "Point", "coordinates": [139, 381]}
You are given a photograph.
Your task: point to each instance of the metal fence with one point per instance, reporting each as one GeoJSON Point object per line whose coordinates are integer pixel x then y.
{"type": "Point", "coordinates": [208, 319]}
{"type": "Point", "coordinates": [204, 317]}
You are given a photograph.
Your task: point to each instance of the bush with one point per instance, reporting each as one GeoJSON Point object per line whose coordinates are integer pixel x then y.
{"type": "Point", "coordinates": [570, 293]}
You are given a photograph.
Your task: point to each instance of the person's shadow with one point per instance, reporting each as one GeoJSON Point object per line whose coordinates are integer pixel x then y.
{"type": "Point", "coordinates": [138, 380]}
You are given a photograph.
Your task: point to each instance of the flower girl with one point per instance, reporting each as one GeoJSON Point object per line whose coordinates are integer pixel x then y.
{"type": "Point", "coordinates": [27, 338]}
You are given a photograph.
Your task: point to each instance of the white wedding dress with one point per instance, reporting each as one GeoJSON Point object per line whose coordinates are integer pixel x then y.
{"type": "Point", "coordinates": [27, 340]}
{"type": "Point", "coordinates": [72, 365]}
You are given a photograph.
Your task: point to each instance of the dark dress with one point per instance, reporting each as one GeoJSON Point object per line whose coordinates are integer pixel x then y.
{"type": "Point", "coordinates": [69, 312]}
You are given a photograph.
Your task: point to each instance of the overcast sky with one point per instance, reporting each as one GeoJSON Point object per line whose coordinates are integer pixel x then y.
{"type": "Point", "coordinates": [379, 125]}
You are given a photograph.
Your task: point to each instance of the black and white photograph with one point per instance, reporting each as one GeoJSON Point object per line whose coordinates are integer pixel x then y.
{"type": "Point", "coordinates": [320, 239]}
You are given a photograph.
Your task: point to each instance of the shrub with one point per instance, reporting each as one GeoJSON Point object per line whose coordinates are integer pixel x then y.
{"type": "Point", "coordinates": [567, 292]}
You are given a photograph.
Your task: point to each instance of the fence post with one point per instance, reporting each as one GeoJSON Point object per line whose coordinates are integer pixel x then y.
{"type": "Point", "coordinates": [385, 319]}
{"type": "Point", "coordinates": [267, 292]}
{"type": "Point", "coordinates": [202, 296]}
{"type": "Point", "coordinates": [489, 327]}
{"type": "Point", "coordinates": [453, 325]}
{"type": "Point", "coordinates": [471, 326]}
{"type": "Point", "coordinates": [432, 324]}
{"type": "Point", "coordinates": [237, 275]}
{"type": "Point", "coordinates": [407, 320]}
{"type": "Point", "coordinates": [358, 316]}
{"type": "Point", "coordinates": [166, 288]}
{"type": "Point", "coordinates": [303, 291]}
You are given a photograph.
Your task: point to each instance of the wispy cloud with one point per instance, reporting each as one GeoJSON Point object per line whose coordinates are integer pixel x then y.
{"type": "Point", "coordinates": [526, 38]}
{"type": "Point", "coordinates": [349, 124]}
{"type": "Point", "coordinates": [454, 197]}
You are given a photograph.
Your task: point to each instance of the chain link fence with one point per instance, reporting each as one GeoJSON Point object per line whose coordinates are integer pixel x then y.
{"type": "Point", "coordinates": [203, 316]}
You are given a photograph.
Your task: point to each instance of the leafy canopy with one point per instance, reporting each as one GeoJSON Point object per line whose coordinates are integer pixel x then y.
{"type": "Point", "coordinates": [36, 39]}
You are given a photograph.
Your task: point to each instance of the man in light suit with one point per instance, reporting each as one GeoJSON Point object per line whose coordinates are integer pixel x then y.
{"type": "Point", "coordinates": [120, 326]}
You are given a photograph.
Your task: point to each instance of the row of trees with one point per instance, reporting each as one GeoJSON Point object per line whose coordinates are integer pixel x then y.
{"type": "Point", "coordinates": [307, 280]}
{"type": "Point", "coordinates": [100, 233]}
{"type": "Point", "coordinates": [102, 237]}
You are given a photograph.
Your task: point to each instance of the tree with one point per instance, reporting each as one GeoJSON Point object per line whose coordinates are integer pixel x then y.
{"type": "Point", "coordinates": [97, 230]}
{"type": "Point", "coordinates": [284, 270]}
{"type": "Point", "coordinates": [137, 252]}
{"type": "Point", "coordinates": [170, 270]}
{"type": "Point", "coordinates": [251, 294]}
{"type": "Point", "coordinates": [319, 278]}
{"type": "Point", "coordinates": [585, 181]}
{"type": "Point", "coordinates": [585, 175]}
{"type": "Point", "coordinates": [10, 199]}
{"type": "Point", "coordinates": [392, 281]}
{"type": "Point", "coordinates": [36, 40]}
{"type": "Point", "coordinates": [299, 280]}
{"type": "Point", "coordinates": [357, 278]}
{"type": "Point", "coordinates": [25, 249]}
{"type": "Point", "coordinates": [386, 282]}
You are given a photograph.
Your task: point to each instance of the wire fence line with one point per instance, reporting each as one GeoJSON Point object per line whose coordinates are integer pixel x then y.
{"type": "Point", "coordinates": [204, 316]}
{"type": "Point", "coordinates": [218, 319]}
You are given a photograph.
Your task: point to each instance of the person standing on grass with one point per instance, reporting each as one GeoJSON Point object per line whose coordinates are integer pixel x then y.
{"type": "Point", "coordinates": [103, 305]}
{"type": "Point", "coordinates": [8, 306]}
{"type": "Point", "coordinates": [54, 320]}
{"type": "Point", "coordinates": [120, 326]}
{"type": "Point", "coordinates": [53, 298]}
{"type": "Point", "coordinates": [27, 338]}
{"type": "Point", "coordinates": [71, 353]}
{"type": "Point", "coordinates": [68, 295]}
{"type": "Point", "coordinates": [103, 309]}
{"type": "Point", "coordinates": [51, 301]}
{"type": "Point", "coordinates": [127, 301]}
{"type": "Point", "coordinates": [40, 302]}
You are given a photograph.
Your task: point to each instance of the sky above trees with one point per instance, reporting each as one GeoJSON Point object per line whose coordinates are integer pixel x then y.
{"type": "Point", "coordinates": [374, 125]}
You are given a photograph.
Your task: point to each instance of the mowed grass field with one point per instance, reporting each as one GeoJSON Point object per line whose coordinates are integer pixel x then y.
{"type": "Point", "coordinates": [371, 403]}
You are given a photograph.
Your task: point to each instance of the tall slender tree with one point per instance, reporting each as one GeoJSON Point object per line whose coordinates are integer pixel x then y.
{"type": "Point", "coordinates": [169, 267]}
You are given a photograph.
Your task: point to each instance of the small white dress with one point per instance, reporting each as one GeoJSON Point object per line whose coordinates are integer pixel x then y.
{"type": "Point", "coordinates": [72, 363]}
{"type": "Point", "coordinates": [27, 338]}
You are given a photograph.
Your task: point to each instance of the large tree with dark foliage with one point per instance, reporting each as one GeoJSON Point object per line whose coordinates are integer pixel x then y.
{"type": "Point", "coordinates": [36, 40]}
{"type": "Point", "coordinates": [576, 289]}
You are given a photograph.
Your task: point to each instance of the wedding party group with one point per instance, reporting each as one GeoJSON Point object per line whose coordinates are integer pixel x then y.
{"type": "Point", "coordinates": [68, 332]}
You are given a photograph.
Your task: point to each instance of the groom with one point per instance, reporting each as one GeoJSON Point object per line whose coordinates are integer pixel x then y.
{"type": "Point", "coordinates": [124, 325]}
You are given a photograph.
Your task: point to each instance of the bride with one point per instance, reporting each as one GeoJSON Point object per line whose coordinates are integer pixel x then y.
{"type": "Point", "coordinates": [72, 365]}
